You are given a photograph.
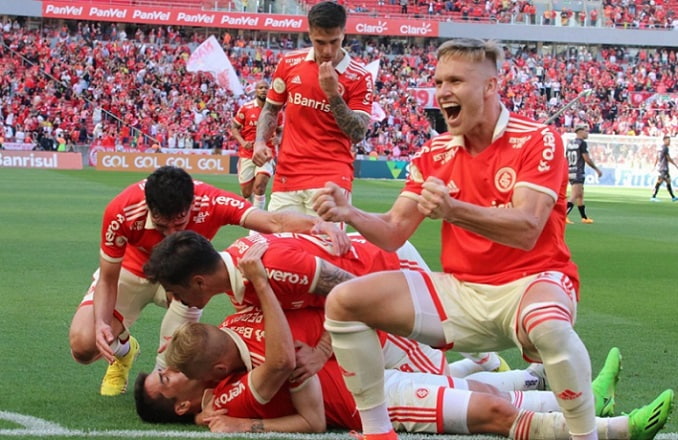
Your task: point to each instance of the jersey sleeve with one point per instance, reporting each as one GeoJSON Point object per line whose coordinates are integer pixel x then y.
{"type": "Point", "coordinates": [240, 117]}
{"type": "Point", "coordinates": [114, 231]}
{"type": "Point", "coordinates": [544, 164]}
{"type": "Point", "coordinates": [277, 94]}
{"type": "Point", "coordinates": [226, 208]}
{"type": "Point", "coordinates": [361, 95]}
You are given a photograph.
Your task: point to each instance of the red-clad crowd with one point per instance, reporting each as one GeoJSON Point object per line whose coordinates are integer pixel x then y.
{"type": "Point", "coordinates": [641, 14]}
{"type": "Point", "coordinates": [96, 83]}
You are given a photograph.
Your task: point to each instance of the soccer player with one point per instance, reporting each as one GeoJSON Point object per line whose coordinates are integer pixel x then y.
{"type": "Point", "coordinates": [497, 182]}
{"type": "Point", "coordinates": [253, 179]}
{"type": "Point", "coordinates": [302, 271]}
{"type": "Point", "coordinates": [235, 359]}
{"type": "Point", "coordinates": [134, 222]}
{"type": "Point", "coordinates": [577, 157]}
{"type": "Point", "coordinates": [661, 164]}
{"type": "Point", "coordinates": [327, 97]}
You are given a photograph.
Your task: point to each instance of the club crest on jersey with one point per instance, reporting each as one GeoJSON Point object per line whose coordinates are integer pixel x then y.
{"type": "Point", "coordinates": [341, 89]}
{"type": "Point", "coordinates": [278, 85]}
{"type": "Point", "coordinates": [504, 179]}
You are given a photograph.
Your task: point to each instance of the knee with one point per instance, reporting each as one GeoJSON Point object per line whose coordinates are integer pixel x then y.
{"type": "Point", "coordinates": [83, 351]}
{"type": "Point", "coordinates": [340, 303]}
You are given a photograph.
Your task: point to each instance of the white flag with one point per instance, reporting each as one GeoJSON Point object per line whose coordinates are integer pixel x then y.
{"type": "Point", "coordinates": [210, 57]}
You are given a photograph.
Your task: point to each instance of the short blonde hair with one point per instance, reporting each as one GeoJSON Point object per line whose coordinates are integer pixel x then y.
{"type": "Point", "coordinates": [194, 349]}
{"type": "Point", "coordinates": [472, 49]}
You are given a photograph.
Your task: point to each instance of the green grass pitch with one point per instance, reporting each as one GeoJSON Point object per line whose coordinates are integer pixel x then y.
{"type": "Point", "coordinates": [49, 236]}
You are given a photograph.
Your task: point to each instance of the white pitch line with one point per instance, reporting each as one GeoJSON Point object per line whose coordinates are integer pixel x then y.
{"type": "Point", "coordinates": [36, 427]}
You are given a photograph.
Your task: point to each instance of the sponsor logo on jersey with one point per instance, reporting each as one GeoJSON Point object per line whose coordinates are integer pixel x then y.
{"type": "Point", "coordinates": [518, 142]}
{"type": "Point", "coordinates": [287, 277]}
{"type": "Point", "coordinates": [548, 153]}
{"type": "Point", "coordinates": [299, 99]}
{"type": "Point", "coordinates": [504, 179]}
{"type": "Point", "coordinates": [112, 229]}
{"type": "Point", "coordinates": [422, 393]}
{"type": "Point", "coordinates": [237, 389]}
{"type": "Point", "coordinates": [452, 187]}
{"type": "Point", "coordinates": [201, 217]}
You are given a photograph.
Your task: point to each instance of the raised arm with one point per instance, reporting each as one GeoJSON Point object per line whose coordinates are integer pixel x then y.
{"type": "Point", "coordinates": [389, 231]}
{"type": "Point", "coordinates": [268, 377]}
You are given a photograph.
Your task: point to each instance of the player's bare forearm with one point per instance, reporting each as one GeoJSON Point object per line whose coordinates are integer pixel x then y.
{"type": "Point", "coordinates": [268, 122]}
{"type": "Point", "coordinates": [352, 123]}
{"type": "Point", "coordinates": [330, 276]}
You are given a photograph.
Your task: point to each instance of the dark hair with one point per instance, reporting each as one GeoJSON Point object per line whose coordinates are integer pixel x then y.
{"type": "Point", "coordinates": [327, 15]}
{"type": "Point", "coordinates": [169, 192]}
{"type": "Point", "coordinates": [158, 410]}
{"type": "Point", "coordinates": [179, 256]}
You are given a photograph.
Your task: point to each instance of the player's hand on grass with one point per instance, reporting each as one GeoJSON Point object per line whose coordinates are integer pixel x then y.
{"type": "Point", "coordinates": [224, 423]}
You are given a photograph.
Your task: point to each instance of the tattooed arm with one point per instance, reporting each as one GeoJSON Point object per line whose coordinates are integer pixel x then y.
{"type": "Point", "coordinates": [354, 124]}
{"type": "Point", "coordinates": [329, 276]}
{"type": "Point", "coordinates": [266, 128]}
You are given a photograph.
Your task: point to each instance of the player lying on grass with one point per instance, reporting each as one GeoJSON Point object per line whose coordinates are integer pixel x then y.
{"type": "Point", "coordinates": [253, 394]}
{"type": "Point", "coordinates": [134, 221]}
{"type": "Point", "coordinates": [302, 270]}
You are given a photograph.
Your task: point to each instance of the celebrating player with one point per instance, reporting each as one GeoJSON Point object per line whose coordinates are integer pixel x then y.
{"type": "Point", "coordinates": [253, 179]}
{"type": "Point", "coordinates": [497, 181]}
{"type": "Point", "coordinates": [328, 99]}
{"type": "Point", "coordinates": [134, 221]}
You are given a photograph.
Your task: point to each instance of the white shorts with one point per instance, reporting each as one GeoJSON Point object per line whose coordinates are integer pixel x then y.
{"type": "Point", "coordinates": [299, 201]}
{"type": "Point", "coordinates": [479, 317]}
{"type": "Point", "coordinates": [416, 404]}
{"type": "Point", "coordinates": [134, 293]}
{"type": "Point", "coordinates": [247, 170]}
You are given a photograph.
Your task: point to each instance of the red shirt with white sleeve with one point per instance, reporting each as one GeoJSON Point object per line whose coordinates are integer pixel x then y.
{"type": "Point", "coordinates": [314, 150]}
{"type": "Point", "coordinates": [292, 264]}
{"type": "Point", "coordinates": [128, 234]}
{"type": "Point", "coordinates": [523, 153]}
{"type": "Point", "coordinates": [246, 119]}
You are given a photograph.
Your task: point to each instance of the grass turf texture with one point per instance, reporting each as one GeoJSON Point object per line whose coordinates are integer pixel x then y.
{"type": "Point", "coordinates": [49, 236]}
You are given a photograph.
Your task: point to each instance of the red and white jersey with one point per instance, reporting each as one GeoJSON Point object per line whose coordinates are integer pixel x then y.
{"type": "Point", "coordinates": [128, 234]}
{"type": "Point", "coordinates": [235, 393]}
{"type": "Point", "coordinates": [292, 264]}
{"type": "Point", "coordinates": [246, 119]}
{"type": "Point", "coordinates": [523, 154]}
{"type": "Point", "coordinates": [311, 136]}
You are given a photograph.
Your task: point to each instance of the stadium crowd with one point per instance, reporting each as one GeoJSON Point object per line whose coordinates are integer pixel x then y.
{"type": "Point", "coordinates": [639, 14]}
{"type": "Point", "coordinates": [119, 85]}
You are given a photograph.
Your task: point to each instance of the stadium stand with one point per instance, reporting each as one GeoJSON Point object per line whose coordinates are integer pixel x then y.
{"type": "Point", "coordinates": [127, 85]}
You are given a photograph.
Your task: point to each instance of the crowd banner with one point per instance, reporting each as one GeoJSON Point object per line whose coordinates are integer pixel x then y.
{"type": "Point", "coordinates": [40, 159]}
{"type": "Point", "coordinates": [177, 16]}
{"type": "Point", "coordinates": [149, 162]}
